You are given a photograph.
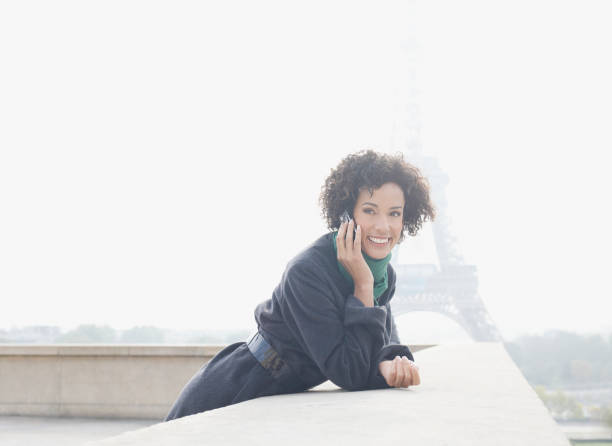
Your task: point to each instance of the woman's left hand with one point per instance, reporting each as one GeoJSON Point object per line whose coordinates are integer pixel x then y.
{"type": "Point", "coordinates": [400, 372]}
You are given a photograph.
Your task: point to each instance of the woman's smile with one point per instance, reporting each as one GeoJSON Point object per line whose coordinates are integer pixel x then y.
{"type": "Point", "coordinates": [379, 240]}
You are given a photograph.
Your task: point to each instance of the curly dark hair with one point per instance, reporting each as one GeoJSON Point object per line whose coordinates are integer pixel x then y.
{"type": "Point", "coordinates": [369, 169]}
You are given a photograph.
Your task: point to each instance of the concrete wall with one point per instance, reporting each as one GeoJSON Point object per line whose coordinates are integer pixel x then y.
{"type": "Point", "coordinates": [97, 381]}
{"type": "Point", "coordinates": [115, 381]}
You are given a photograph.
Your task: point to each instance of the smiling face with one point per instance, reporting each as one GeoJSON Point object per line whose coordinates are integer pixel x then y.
{"type": "Point", "coordinates": [381, 219]}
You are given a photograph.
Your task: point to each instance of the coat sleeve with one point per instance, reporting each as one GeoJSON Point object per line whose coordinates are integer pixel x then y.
{"type": "Point", "coordinates": [347, 344]}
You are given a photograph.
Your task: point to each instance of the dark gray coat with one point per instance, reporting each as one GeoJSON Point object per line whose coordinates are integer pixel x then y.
{"type": "Point", "coordinates": [322, 330]}
{"type": "Point", "coordinates": [316, 325]}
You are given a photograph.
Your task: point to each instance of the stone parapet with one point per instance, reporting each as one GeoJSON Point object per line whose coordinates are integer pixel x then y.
{"type": "Point", "coordinates": [470, 395]}
{"type": "Point", "coordinates": [110, 381]}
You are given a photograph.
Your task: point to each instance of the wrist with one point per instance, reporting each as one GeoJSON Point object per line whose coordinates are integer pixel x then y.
{"type": "Point", "coordinates": [382, 365]}
{"type": "Point", "coordinates": [364, 285]}
{"type": "Point", "coordinates": [365, 293]}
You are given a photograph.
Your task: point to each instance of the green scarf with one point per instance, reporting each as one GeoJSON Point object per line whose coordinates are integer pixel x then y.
{"type": "Point", "coordinates": [377, 266]}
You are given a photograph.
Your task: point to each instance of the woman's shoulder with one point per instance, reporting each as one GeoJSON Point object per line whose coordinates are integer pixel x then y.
{"type": "Point", "coordinates": [316, 267]}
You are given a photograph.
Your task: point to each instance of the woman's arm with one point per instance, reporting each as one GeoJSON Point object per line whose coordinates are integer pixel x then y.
{"type": "Point", "coordinates": [347, 343]}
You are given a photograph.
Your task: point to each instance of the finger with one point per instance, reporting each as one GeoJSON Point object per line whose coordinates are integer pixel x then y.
{"type": "Point", "coordinates": [349, 234]}
{"type": "Point", "coordinates": [408, 370]}
{"type": "Point", "coordinates": [416, 378]}
{"type": "Point", "coordinates": [392, 374]}
{"type": "Point", "coordinates": [358, 239]}
{"type": "Point", "coordinates": [340, 244]}
{"type": "Point", "coordinates": [399, 370]}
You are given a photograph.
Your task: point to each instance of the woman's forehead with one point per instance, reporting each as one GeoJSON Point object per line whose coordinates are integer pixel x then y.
{"type": "Point", "coordinates": [386, 194]}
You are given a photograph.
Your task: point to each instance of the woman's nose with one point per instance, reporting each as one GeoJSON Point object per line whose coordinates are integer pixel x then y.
{"type": "Point", "coordinates": [381, 223]}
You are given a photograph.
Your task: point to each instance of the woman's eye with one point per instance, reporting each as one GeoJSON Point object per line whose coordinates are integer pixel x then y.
{"type": "Point", "coordinates": [396, 214]}
{"type": "Point", "coordinates": [368, 211]}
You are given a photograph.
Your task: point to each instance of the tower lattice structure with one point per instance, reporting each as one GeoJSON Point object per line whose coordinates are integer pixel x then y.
{"type": "Point", "coordinates": [452, 288]}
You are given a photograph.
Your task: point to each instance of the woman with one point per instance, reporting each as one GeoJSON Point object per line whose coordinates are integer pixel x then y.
{"type": "Point", "coordinates": [329, 318]}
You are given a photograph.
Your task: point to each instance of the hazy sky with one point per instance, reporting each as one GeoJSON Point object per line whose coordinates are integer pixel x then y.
{"type": "Point", "coordinates": [160, 162]}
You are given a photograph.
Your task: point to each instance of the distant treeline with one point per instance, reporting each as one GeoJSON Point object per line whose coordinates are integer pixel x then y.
{"type": "Point", "coordinates": [563, 359]}
{"type": "Point", "coordinates": [104, 334]}
{"type": "Point", "coordinates": [554, 360]}
{"type": "Point", "coordinates": [565, 407]}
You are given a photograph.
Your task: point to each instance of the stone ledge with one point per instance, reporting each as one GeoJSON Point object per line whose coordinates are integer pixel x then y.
{"type": "Point", "coordinates": [122, 350]}
{"type": "Point", "coordinates": [111, 381]}
{"type": "Point", "coordinates": [471, 395]}
{"type": "Point", "coordinates": [108, 350]}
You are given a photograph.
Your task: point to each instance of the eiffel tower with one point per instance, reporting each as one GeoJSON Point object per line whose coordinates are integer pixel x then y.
{"type": "Point", "coordinates": [451, 289]}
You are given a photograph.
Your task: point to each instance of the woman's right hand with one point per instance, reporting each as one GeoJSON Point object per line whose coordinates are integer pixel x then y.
{"type": "Point", "coordinates": [351, 258]}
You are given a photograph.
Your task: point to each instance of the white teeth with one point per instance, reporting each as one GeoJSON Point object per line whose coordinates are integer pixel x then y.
{"type": "Point", "coordinates": [379, 240]}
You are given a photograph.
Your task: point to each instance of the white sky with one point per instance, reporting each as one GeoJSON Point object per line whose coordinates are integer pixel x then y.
{"type": "Point", "coordinates": [160, 162]}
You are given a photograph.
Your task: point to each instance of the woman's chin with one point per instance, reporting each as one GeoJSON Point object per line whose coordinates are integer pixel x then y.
{"type": "Point", "coordinates": [377, 254]}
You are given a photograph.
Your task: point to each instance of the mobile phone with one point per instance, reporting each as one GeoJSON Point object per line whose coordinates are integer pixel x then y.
{"type": "Point", "coordinates": [346, 217]}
